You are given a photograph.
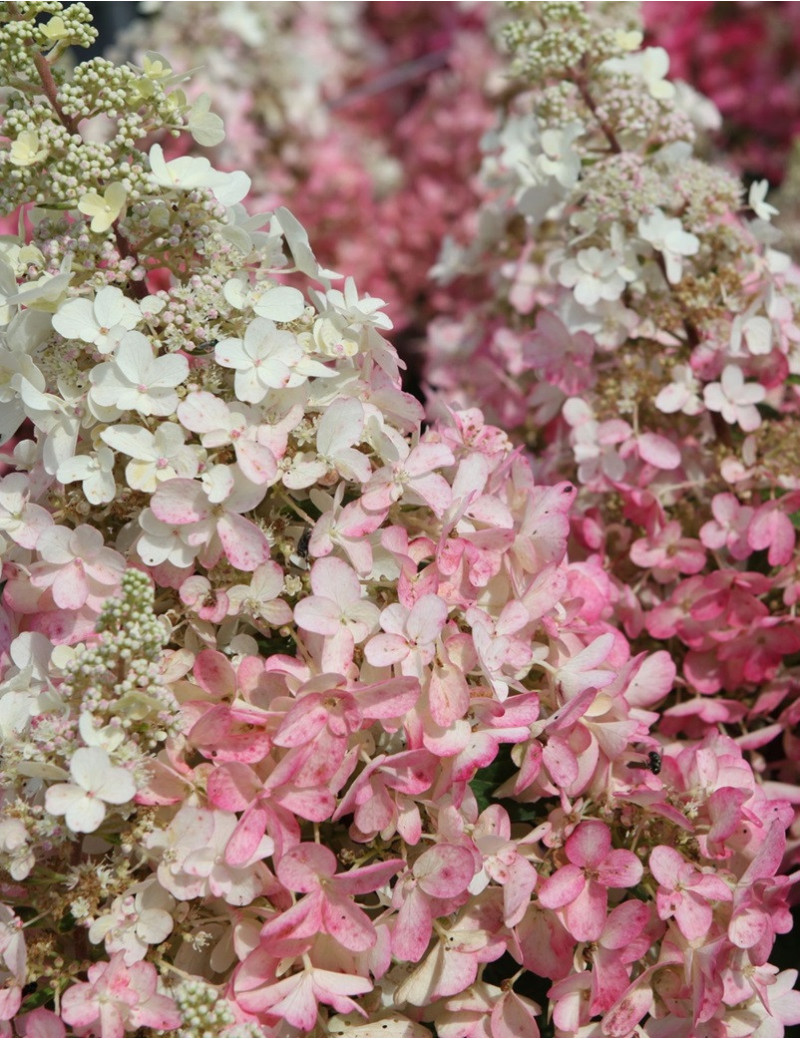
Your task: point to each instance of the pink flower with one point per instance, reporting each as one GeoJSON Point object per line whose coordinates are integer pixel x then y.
{"type": "Point", "coordinates": [412, 477]}
{"type": "Point", "coordinates": [339, 610]}
{"type": "Point", "coordinates": [409, 636]}
{"type": "Point", "coordinates": [685, 892]}
{"type": "Point", "coordinates": [77, 567]}
{"type": "Point", "coordinates": [21, 519]}
{"type": "Point", "coordinates": [580, 887]}
{"type": "Point", "coordinates": [440, 876]}
{"type": "Point", "coordinates": [327, 905]}
{"type": "Point", "coordinates": [668, 554]}
{"type": "Point", "coordinates": [118, 998]}
{"type": "Point", "coordinates": [384, 797]}
{"type": "Point", "coordinates": [213, 526]}
{"type": "Point", "coordinates": [729, 526]}
{"type": "Point", "coordinates": [295, 998]}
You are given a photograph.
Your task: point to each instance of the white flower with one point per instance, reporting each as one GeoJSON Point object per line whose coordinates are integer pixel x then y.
{"type": "Point", "coordinates": [59, 418]}
{"type": "Point", "coordinates": [755, 330]}
{"type": "Point", "coordinates": [651, 66]}
{"type": "Point", "coordinates": [355, 310]}
{"type": "Point", "coordinates": [138, 381]}
{"type": "Point", "coordinates": [266, 359]}
{"type": "Point", "coordinates": [594, 274]}
{"type": "Point", "coordinates": [667, 236]}
{"type": "Point", "coordinates": [27, 149]}
{"type": "Point", "coordinates": [96, 471]}
{"type": "Point", "coordinates": [735, 399]}
{"type": "Point", "coordinates": [160, 542]}
{"type": "Point", "coordinates": [756, 200]}
{"type": "Point", "coordinates": [102, 321]}
{"type": "Point", "coordinates": [107, 737]}
{"type": "Point", "coordinates": [138, 919]}
{"type": "Point", "coordinates": [188, 173]}
{"type": "Point", "coordinates": [154, 456]}
{"type": "Point", "coordinates": [104, 209]}
{"type": "Point", "coordinates": [339, 429]}
{"type": "Point", "coordinates": [682, 394]}
{"type": "Point", "coordinates": [46, 292]}
{"type": "Point", "coordinates": [560, 160]}
{"type": "Point", "coordinates": [96, 782]}
{"type": "Point", "coordinates": [204, 125]}
{"type": "Point", "coordinates": [259, 598]}
{"type": "Point", "coordinates": [14, 843]}
{"type": "Point", "coordinates": [268, 300]}
{"type": "Point", "coordinates": [297, 240]}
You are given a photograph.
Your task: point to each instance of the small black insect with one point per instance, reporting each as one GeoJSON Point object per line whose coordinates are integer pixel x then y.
{"type": "Point", "coordinates": [302, 545]}
{"type": "Point", "coordinates": [653, 763]}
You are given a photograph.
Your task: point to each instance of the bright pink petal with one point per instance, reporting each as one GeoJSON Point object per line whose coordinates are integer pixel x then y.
{"type": "Point", "coordinates": [624, 924]}
{"type": "Point", "coordinates": [347, 923]}
{"type": "Point", "coordinates": [562, 887]}
{"type": "Point", "coordinates": [620, 869]}
{"type": "Point", "coordinates": [444, 870]}
{"type": "Point", "coordinates": [301, 869]}
{"type": "Point", "coordinates": [666, 865]}
{"type": "Point", "coordinates": [413, 927]}
{"type": "Point", "coordinates": [589, 844]}
{"type": "Point", "coordinates": [246, 837]}
{"type": "Point", "coordinates": [586, 914]}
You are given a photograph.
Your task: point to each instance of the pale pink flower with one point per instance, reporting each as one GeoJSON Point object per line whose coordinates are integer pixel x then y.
{"type": "Point", "coordinates": [77, 567]}
{"type": "Point", "coordinates": [412, 477]}
{"type": "Point", "coordinates": [118, 998]}
{"type": "Point", "coordinates": [215, 526]}
{"type": "Point", "coordinates": [191, 854]}
{"type": "Point", "coordinates": [409, 636]}
{"type": "Point", "coordinates": [257, 445]}
{"type": "Point", "coordinates": [327, 904]}
{"type": "Point", "coordinates": [22, 520]}
{"type": "Point", "coordinates": [339, 610]}
{"type": "Point", "coordinates": [436, 886]}
{"type": "Point", "coordinates": [729, 527]}
{"type": "Point", "coordinates": [735, 399]}
{"type": "Point", "coordinates": [295, 998]}
{"type": "Point", "coordinates": [667, 553]}
{"type": "Point", "coordinates": [685, 892]}
{"type": "Point", "coordinates": [136, 920]}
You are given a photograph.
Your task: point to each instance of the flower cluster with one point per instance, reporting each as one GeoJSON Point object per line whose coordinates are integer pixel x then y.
{"type": "Point", "coordinates": [387, 139]}
{"type": "Point", "coordinates": [641, 341]}
{"type": "Point", "coordinates": [310, 723]}
{"type": "Point", "coordinates": [742, 58]}
{"type": "Point", "coordinates": [647, 323]}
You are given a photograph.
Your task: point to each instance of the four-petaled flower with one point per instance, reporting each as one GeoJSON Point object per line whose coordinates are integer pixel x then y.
{"type": "Point", "coordinates": [735, 399]}
{"type": "Point", "coordinates": [96, 782]}
{"type": "Point", "coordinates": [580, 889]}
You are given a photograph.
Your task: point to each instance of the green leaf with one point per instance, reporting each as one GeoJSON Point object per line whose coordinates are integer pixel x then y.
{"type": "Point", "coordinates": [488, 779]}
